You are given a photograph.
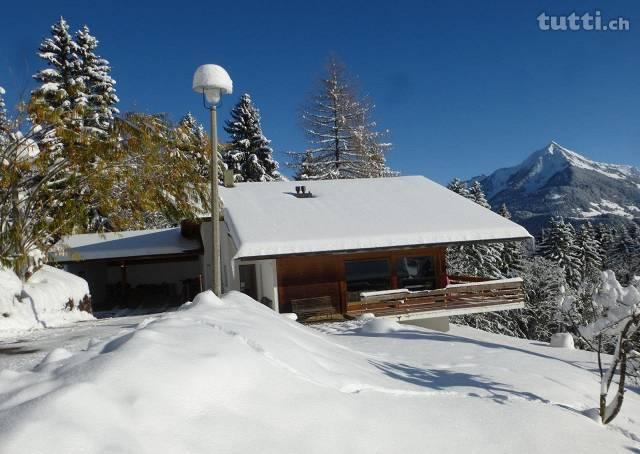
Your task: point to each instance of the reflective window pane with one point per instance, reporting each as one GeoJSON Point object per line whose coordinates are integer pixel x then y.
{"type": "Point", "coordinates": [366, 276]}
{"type": "Point", "coordinates": [416, 273]}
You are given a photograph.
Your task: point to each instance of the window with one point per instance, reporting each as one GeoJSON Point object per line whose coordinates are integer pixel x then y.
{"type": "Point", "coordinates": [416, 273]}
{"type": "Point", "coordinates": [365, 276]}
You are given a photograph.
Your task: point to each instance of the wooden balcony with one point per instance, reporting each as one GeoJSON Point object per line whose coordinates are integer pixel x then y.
{"type": "Point", "coordinates": [464, 295]}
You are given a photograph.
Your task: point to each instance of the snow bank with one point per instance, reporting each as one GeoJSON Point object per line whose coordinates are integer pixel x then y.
{"type": "Point", "coordinates": [380, 326]}
{"type": "Point", "coordinates": [561, 340]}
{"type": "Point", "coordinates": [43, 302]}
{"type": "Point", "coordinates": [233, 376]}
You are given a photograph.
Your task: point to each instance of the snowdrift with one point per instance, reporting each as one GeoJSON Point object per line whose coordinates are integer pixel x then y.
{"type": "Point", "coordinates": [233, 376]}
{"type": "Point", "coordinates": [43, 302]}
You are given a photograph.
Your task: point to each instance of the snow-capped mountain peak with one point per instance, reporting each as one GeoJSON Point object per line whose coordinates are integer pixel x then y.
{"type": "Point", "coordinates": [558, 181]}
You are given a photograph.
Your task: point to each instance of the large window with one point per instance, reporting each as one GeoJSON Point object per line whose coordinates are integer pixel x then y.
{"type": "Point", "coordinates": [366, 276]}
{"type": "Point", "coordinates": [416, 273]}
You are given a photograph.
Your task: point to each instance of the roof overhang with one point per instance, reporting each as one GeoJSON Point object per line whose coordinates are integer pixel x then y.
{"type": "Point", "coordinates": [377, 249]}
{"type": "Point", "coordinates": [140, 245]}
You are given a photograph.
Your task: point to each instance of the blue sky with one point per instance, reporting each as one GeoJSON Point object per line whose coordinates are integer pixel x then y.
{"type": "Point", "coordinates": [464, 87]}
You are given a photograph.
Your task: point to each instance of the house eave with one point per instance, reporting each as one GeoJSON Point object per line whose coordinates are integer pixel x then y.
{"type": "Point", "coordinates": [377, 249]}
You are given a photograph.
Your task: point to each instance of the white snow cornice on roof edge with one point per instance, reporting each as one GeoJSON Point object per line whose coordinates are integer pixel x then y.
{"type": "Point", "coordinates": [267, 219]}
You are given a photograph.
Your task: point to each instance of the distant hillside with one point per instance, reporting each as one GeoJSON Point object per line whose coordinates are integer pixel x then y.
{"type": "Point", "coordinates": [556, 181]}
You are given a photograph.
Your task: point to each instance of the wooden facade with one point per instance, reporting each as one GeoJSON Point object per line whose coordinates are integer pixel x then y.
{"type": "Point", "coordinates": [322, 279]}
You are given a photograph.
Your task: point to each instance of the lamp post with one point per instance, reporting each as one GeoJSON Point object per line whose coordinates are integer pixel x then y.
{"type": "Point", "coordinates": [213, 82]}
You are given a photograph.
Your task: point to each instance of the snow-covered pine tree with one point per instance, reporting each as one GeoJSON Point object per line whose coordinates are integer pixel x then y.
{"type": "Point", "coordinates": [559, 245]}
{"type": "Point", "coordinates": [474, 259]}
{"type": "Point", "coordinates": [459, 187]}
{"type": "Point", "coordinates": [605, 234]}
{"type": "Point", "coordinates": [98, 83]}
{"type": "Point", "coordinates": [511, 253]}
{"type": "Point", "coordinates": [634, 233]}
{"type": "Point", "coordinates": [589, 249]}
{"type": "Point", "coordinates": [455, 255]}
{"type": "Point", "coordinates": [61, 85]}
{"type": "Point", "coordinates": [476, 193]}
{"type": "Point", "coordinates": [343, 137]}
{"type": "Point", "coordinates": [485, 259]}
{"type": "Point", "coordinates": [249, 154]}
{"type": "Point", "coordinates": [624, 257]}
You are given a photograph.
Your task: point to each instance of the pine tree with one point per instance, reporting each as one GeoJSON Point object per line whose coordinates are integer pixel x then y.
{"type": "Point", "coordinates": [589, 248]}
{"type": "Point", "coordinates": [476, 193]}
{"type": "Point", "coordinates": [249, 155]}
{"type": "Point", "coordinates": [605, 235]}
{"type": "Point", "coordinates": [624, 256]}
{"type": "Point", "coordinates": [475, 259]}
{"type": "Point", "coordinates": [559, 246]}
{"type": "Point", "coordinates": [344, 139]}
{"type": "Point", "coordinates": [62, 88]}
{"type": "Point", "coordinates": [97, 83]}
{"type": "Point", "coordinates": [511, 253]}
{"type": "Point", "coordinates": [459, 187]}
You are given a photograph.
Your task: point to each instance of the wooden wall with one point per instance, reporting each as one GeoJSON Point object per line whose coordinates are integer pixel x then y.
{"type": "Point", "coordinates": [312, 276]}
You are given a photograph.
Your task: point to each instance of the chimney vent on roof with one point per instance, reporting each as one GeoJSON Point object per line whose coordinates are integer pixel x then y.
{"type": "Point", "coordinates": [301, 192]}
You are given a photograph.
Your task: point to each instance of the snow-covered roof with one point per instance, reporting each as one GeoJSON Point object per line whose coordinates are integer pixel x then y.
{"type": "Point", "coordinates": [267, 219]}
{"type": "Point", "coordinates": [113, 245]}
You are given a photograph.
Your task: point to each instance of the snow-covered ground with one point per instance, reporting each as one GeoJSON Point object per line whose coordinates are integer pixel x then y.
{"type": "Point", "coordinates": [233, 376]}
{"type": "Point", "coordinates": [23, 350]}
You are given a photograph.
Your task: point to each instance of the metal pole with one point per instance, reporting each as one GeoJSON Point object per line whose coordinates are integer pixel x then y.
{"type": "Point", "coordinates": [215, 206]}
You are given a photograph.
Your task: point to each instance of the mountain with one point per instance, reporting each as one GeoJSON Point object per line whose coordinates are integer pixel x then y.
{"type": "Point", "coordinates": [556, 181]}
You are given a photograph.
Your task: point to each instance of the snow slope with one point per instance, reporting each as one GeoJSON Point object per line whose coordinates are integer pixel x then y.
{"type": "Point", "coordinates": [41, 302]}
{"type": "Point", "coordinates": [232, 376]}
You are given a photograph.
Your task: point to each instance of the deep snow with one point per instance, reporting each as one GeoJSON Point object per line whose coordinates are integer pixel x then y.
{"type": "Point", "coordinates": [42, 301]}
{"type": "Point", "coordinates": [345, 215]}
{"type": "Point", "coordinates": [232, 376]}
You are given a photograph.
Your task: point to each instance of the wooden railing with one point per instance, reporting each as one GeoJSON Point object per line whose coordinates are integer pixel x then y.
{"type": "Point", "coordinates": [463, 294]}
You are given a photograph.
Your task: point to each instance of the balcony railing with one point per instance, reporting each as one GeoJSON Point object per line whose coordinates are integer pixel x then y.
{"type": "Point", "coordinates": [465, 294]}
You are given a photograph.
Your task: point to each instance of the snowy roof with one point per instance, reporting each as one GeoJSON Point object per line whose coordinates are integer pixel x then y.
{"type": "Point", "coordinates": [267, 219]}
{"type": "Point", "coordinates": [134, 243]}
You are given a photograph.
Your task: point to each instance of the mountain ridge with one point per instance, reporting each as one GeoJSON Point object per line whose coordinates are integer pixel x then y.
{"type": "Point", "coordinates": [556, 181]}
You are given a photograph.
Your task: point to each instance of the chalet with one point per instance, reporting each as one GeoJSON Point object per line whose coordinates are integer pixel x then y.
{"type": "Point", "coordinates": [344, 248]}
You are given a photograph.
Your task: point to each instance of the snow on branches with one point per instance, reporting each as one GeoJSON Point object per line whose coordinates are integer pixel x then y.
{"type": "Point", "coordinates": [617, 315]}
{"type": "Point", "coordinates": [249, 154]}
{"type": "Point", "coordinates": [559, 245]}
{"type": "Point", "coordinates": [475, 259]}
{"type": "Point", "coordinates": [98, 84]}
{"type": "Point", "coordinates": [76, 82]}
{"type": "Point", "coordinates": [345, 141]}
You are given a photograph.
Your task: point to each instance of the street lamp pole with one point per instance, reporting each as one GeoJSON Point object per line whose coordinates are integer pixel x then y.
{"type": "Point", "coordinates": [215, 204]}
{"type": "Point", "coordinates": [212, 81]}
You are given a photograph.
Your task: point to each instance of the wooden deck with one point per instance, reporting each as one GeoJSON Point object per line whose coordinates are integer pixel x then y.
{"type": "Point", "coordinates": [465, 295]}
